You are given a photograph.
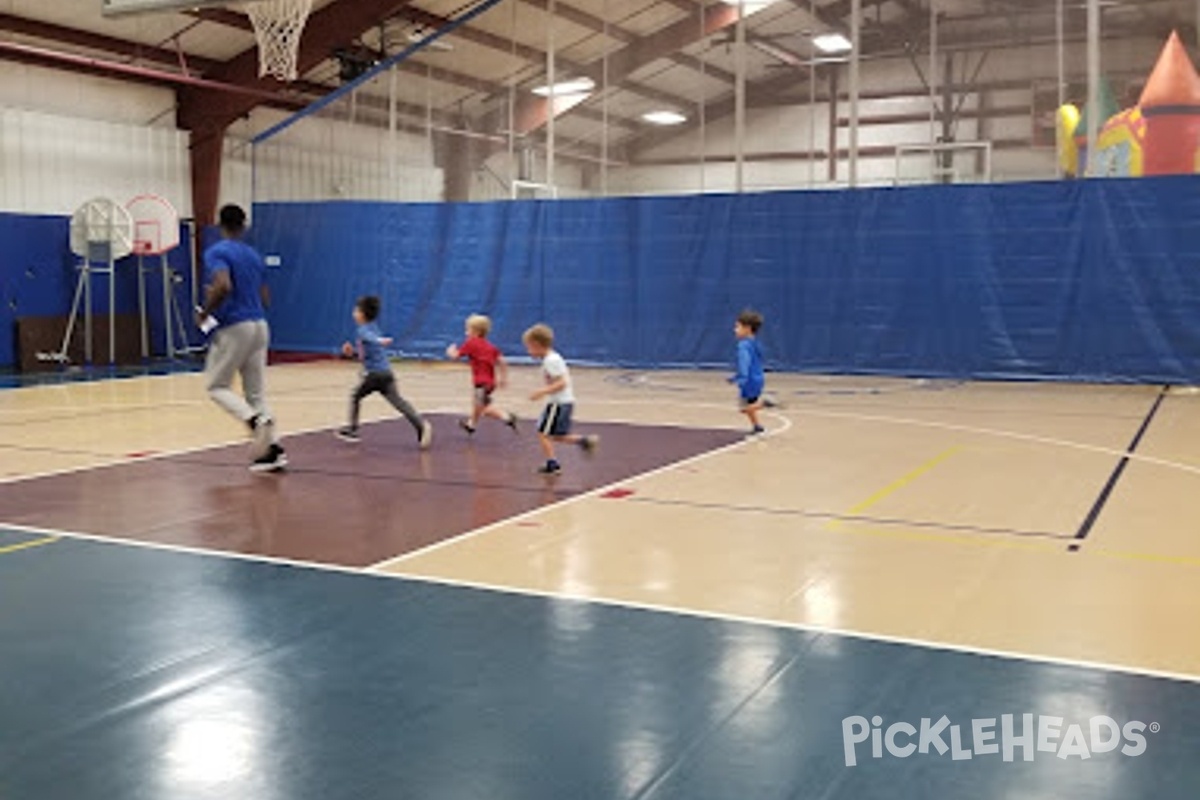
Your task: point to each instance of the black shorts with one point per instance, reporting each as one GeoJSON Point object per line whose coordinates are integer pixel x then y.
{"type": "Point", "coordinates": [483, 395]}
{"type": "Point", "coordinates": [556, 419]}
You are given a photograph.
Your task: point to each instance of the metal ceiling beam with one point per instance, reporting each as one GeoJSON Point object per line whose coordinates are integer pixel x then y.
{"type": "Point", "coordinates": [41, 56]}
{"type": "Point", "coordinates": [625, 36]}
{"type": "Point", "coordinates": [532, 113]}
{"type": "Point", "coordinates": [134, 51]}
{"type": "Point", "coordinates": [418, 16]}
{"type": "Point", "coordinates": [530, 54]}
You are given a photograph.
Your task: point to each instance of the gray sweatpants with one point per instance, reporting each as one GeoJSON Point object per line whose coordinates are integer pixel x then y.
{"type": "Point", "coordinates": [239, 349]}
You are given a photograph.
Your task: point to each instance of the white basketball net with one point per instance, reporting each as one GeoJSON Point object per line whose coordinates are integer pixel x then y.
{"type": "Point", "coordinates": [277, 26]}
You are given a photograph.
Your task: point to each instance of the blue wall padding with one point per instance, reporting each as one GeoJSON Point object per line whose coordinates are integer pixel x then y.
{"type": "Point", "coordinates": [1089, 280]}
{"type": "Point", "coordinates": [38, 275]}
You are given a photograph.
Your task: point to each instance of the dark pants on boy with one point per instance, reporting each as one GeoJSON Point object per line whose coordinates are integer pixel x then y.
{"type": "Point", "coordinates": [385, 384]}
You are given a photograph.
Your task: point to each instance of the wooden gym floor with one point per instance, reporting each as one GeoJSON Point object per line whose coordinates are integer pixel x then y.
{"type": "Point", "coordinates": [1024, 536]}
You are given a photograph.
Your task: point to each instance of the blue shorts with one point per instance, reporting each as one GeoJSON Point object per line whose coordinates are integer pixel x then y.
{"type": "Point", "coordinates": [556, 419]}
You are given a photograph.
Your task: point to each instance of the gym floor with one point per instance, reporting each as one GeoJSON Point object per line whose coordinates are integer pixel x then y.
{"type": "Point", "coordinates": [685, 614]}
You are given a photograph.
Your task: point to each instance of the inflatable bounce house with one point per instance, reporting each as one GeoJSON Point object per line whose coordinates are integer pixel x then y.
{"type": "Point", "coordinates": [1158, 136]}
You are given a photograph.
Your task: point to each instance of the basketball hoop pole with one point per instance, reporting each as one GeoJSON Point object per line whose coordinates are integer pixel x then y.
{"type": "Point", "coordinates": [83, 290]}
{"type": "Point", "coordinates": [101, 231]}
{"type": "Point", "coordinates": [169, 307]}
{"type": "Point", "coordinates": [141, 271]}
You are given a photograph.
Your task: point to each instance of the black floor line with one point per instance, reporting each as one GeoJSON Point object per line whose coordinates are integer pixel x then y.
{"type": "Point", "coordinates": [835, 517]}
{"type": "Point", "coordinates": [1102, 499]}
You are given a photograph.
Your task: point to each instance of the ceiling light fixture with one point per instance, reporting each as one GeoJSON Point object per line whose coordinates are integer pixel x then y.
{"type": "Point", "coordinates": [575, 86]}
{"type": "Point", "coordinates": [832, 43]}
{"type": "Point", "coordinates": [664, 117]}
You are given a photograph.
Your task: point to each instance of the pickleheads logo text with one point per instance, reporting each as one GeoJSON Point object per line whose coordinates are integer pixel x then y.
{"type": "Point", "coordinates": [1010, 737]}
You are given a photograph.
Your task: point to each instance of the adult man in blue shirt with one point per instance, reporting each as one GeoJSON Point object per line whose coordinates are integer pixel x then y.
{"type": "Point", "coordinates": [236, 296]}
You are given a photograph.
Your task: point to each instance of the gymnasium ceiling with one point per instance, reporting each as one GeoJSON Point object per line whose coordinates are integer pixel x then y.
{"type": "Point", "coordinates": [675, 55]}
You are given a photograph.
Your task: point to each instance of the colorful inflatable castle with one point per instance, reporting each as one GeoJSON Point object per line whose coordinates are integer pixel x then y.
{"type": "Point", "coordinates": [1158, 136]}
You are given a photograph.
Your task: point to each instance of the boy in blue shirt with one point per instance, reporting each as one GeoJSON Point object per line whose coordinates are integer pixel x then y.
{"type": "Point", "coordinates": [377, 374]}
{"type": "Point", "coordinates": [750, 378]}
{"type": "Point", "coordinates": [234, 310]}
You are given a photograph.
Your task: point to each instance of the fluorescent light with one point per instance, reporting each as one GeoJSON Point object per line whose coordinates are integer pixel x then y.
{"type": "Point", "coordinates": [664, 117]}
{"type": "Point", "coordinates": [832, 43]}
{"type": "Point", "coordinates": [750, 5]}
{"type": "Point", "coordinates": [565, 88]}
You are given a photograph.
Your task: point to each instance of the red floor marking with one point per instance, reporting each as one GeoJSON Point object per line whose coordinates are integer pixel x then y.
{"type": "Point", "coordinates": [142, 454]}
{"type": "Point", "coordinates": [617, 494]}
{"type": "Point", "coordinates": [529, 524]}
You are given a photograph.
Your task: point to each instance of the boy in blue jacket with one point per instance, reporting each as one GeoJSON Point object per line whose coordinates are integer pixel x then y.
{"type": "Point", "coordinates": [749, 377]}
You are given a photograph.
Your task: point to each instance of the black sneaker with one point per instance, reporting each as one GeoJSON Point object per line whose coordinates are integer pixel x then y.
{"type": "Point", "coordinates": [466, 426]}
{"type": "Point", "coordinates": [550, 468]}
{"type": "Point", "coordinates": [274, 460]}
{"type": "Point", "coordinates": [757, 430]}
{"type": "Point", "coordinates": [770, 402]}
{"type": "Point", "coordinates": [348, 435]}
{"type": "Point", "coordinates": [589, 443]}
{"type": "Point", "coordinates": [512, 422]}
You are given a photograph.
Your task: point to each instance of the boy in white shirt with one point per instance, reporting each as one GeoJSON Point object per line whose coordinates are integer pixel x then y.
{"type": "Point", "coordinates": [555, 423]}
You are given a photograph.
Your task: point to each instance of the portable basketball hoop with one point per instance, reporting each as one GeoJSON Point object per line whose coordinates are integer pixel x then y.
{"type": "Point", "coordinates": [156, 233]}
{"type": "Point", "coordinates": [278, 25]}
{"type": "Point", "coordinates": [101, 233]}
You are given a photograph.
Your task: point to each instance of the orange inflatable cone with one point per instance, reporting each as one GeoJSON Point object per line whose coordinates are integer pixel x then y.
{"type": "Point", "coordinates": [1171, 106]}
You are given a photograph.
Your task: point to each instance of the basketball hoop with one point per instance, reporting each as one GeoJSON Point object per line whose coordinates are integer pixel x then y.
{"type": "Point", "coordinates": [278, 25]}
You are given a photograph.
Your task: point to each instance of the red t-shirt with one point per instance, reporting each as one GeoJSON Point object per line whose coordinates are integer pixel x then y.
{"type": "Point", "coordinates": [483, 356]}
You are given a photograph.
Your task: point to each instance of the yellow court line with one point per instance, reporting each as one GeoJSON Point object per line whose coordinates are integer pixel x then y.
{"type": "Point", "coordinates": [904, 480]}
{"type": "Point", "coordinates": [13, 548]}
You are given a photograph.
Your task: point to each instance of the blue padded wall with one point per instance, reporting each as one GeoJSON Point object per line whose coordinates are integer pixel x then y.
{"type": "Point", "coordinates": [1096, 280]}
{"type": "Point", "coordinates": [38, 274]}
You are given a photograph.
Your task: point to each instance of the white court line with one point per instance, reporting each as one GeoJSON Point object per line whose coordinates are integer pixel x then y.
{"type": "Point", "coordinates": [1024, 437]}
{"type": "Point", "coordinates": [454, 540]}
{"type": "Point", "coordinates": [654, 608]}
{"type": "Point", "coordinates": [142, 544]}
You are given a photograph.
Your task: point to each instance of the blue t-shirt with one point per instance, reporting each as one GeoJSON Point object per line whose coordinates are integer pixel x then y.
{"type": "Point", "coordinates": [373, 357]}
{"type": "Point", "coordinates": [750, 378]}
{"type": "Point", "coordinates": [247, 273]}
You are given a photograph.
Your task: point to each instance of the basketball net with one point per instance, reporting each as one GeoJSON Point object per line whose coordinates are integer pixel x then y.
{"type": "Point", "coordinates": [277, 26]}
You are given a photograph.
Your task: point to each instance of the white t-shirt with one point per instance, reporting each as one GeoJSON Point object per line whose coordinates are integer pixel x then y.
{"type": "Point", "coordinates": [554, 367]}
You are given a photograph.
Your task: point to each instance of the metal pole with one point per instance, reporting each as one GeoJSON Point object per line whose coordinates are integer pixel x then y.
{"type": "Point", "coordinates": [168, 277]}
{"type": "Point", "coordinates": [604, 110]}
{"type": "Point", "coordinates": [112, 311]}
{"type": "Point", "coordinates": [393, 166]}
{"type": "Point", "coordinates": [703, 96]}
{"type": "Point", "coordinates": [513, 170]}
{"type": "Point", "coordinates": [1093, 59]}
{"type": "Point", "coordinates": [855, 79]}
{"type": "Point", "coordinates": [934, 73]}
{"type": "Point", "coordinates": [739, 100]}
{"type": "Point", "coordinates": [812, 101]}
{"type": "Point", "coordinates": [1060, 28]}
{"type": "Point", "coordinates": [812, 121]}
{"type": "Point", "coordinates": [145, 323]}
{"type": "Point", "coordinates": [553, 99]}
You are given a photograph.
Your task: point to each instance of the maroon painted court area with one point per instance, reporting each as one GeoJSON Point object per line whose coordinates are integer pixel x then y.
{"type": "Point", "coordinates": [345, 504]}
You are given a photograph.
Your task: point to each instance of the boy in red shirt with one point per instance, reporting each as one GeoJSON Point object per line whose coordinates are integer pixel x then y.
{"type": "Point", "coordinates": [486, 359]}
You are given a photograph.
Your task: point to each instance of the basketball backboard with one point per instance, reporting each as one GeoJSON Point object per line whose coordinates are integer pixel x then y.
{"type": "Point", "coordinates": [117, 8]}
